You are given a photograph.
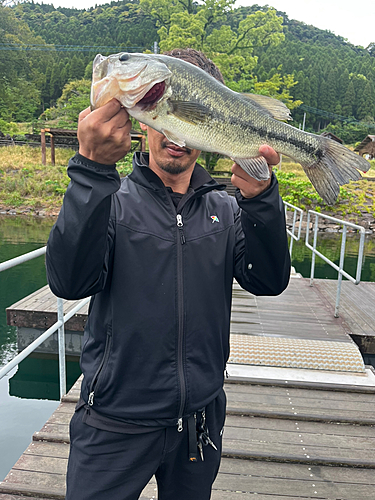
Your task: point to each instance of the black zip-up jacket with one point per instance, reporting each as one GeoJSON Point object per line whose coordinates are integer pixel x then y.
{"type": "Point", "coordinates": [157, 337]}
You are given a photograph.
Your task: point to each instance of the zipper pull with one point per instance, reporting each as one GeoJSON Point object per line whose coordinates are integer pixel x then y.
{"type": "Point", "coordinates": [91, 399]}
{"type": "Point", "coordinates": [179, 220]}
{"type": "Point", "coordinates": [179, 425]}
{"type": "Point", "coordinates": [180, 225]}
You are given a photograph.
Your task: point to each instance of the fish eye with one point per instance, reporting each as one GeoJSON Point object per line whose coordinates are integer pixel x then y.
{"type": "Point", "coordinates": [124, 57]}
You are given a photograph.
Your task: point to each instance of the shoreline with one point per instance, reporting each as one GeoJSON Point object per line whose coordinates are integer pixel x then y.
{"type": "Point", "coordinates": [325, 225]}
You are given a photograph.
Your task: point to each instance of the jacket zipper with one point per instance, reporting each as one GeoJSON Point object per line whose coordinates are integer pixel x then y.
{"type": "Point", "coordinates": [180, 344]}
{"type": "Point", "coordinates": [96, 378]}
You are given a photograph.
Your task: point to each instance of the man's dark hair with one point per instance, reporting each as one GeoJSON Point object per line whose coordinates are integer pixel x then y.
{"type": "Point", "coordinates": [198, 59]}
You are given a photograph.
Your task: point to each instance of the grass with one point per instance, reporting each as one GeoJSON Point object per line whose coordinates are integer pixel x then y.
{"type": "Point", "coordinates": [355, 199]}
{"type": "Point", "coordinates": [27, 186]}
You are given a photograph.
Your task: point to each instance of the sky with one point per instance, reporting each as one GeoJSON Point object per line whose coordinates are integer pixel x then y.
{"type": "Point", "coordinates": [346, 18]}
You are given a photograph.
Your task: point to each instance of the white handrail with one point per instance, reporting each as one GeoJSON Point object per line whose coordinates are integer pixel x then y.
{"type": "Point", "coordinates": [338, 268]}
{"type": "Point", "coordinates": [58, 326]}
{"type": "Point", "coordinates": [22, 258]}
{"type": "Point", "coordinates": [291, 233]}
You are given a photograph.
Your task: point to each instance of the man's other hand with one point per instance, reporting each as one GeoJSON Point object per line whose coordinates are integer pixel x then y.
{"type": "Point", "coordinates": [249, 186]}
{"type": "Point", "coordinates": [104, 134]}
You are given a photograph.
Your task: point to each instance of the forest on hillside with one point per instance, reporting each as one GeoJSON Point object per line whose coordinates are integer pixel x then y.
{"type": "Point", "coordinates": [46, 57]}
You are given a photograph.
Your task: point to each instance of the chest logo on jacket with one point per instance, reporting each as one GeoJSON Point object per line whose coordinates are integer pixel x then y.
{"type": "Point", "coordinates": [214, 218]}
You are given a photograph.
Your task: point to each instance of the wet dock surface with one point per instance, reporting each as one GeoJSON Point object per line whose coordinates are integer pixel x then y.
{"type": "Point", "coordinates": [280, 443]}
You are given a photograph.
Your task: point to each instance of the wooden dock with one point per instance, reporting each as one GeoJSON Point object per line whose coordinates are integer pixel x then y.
{"type": "Point", "coordinates": [285, 438]}
{"type": "Point", "coordinates": [280, 443]}
{"type": "Point", "coordinates": [300, 312]}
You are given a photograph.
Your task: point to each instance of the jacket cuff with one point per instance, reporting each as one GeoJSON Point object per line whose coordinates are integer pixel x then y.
{"type": "Point", "coordinates": [266, 195]}
{"type": "Point", "coordinates": [78, 158]}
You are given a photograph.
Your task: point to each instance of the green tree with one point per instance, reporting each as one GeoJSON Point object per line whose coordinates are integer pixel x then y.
{"type": "Point", "coordinates": [19, 101]}
{"type": "Point", "coordinates": [76, 68]}
{"type": "Point", "coordinates": [349, 98]}
{"type": "Point", "coordinates": [21, 71]}
{"type": "Point", "coordinates": [366, 106]}
{"type": "Point", "coordinates": [231, 49]}
{"type": "Point", "coordinates": [279, 87]}
{"type": "Point", "coordinates": [74, 98]}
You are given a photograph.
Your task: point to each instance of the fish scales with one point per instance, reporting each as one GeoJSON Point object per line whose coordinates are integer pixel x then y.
{"type": "Point", "coordinates": [192, 109]}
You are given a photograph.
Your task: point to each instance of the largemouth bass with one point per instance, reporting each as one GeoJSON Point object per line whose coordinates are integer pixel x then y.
{"type": "Point", "coordinates": [193, 109]}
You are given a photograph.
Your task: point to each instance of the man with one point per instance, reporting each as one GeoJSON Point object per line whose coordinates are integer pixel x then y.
{"type": "Point", "coordinates": [157, 252]}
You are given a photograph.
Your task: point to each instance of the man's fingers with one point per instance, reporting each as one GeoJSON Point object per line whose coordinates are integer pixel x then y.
{"type": "Point", "coordinates": [271, 156]}
{"type": "Point", "coordinates": [83, 114]}
{"type": "Point", "coordinates": [108, 111]}
{"type": "Point", "coordinates": [104, 113]}
{"type": "Point", "coordinates": [239, 171]}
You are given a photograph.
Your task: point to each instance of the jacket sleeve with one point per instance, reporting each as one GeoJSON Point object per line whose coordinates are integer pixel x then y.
{"type": "Point", "coordinates": [262, 260]}
{"type": "Point", "coordinates": [79, 244]}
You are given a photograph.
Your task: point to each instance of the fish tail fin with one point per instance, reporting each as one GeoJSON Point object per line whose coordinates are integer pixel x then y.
{"type": "Point", "coordinates": [334, 166]}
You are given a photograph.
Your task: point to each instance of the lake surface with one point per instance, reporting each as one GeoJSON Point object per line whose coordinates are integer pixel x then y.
{"type": "Point", "coordinates": [30, 393]}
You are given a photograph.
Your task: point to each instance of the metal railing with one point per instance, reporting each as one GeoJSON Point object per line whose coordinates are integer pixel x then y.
{"type": "Point", "coordinates": [339, 268]}
{"type": "Point", "coordinates": [58, 326]}
{"type": "Point", "coordinates": [296, 212]}
{"type": "Point", "coordinates": [62, 319]}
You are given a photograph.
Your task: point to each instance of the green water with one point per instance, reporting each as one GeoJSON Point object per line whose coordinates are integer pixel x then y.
{"type": "Point", "coordinates": [329, 244]}
{"type": "Point", "coordinates": [29, 394]}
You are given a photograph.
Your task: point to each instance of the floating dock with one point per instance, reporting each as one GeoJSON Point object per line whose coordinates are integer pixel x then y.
{"type": "Point", "coordinates": [300, 416]}
{"type": "Point", "coordinates": [300, 321]}
{"type": "Point", "coordinates": [280, 443]}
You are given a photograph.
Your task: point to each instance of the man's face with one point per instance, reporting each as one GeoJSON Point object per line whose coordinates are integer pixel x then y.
{"type": "Point", "coordinates": [168, 156]}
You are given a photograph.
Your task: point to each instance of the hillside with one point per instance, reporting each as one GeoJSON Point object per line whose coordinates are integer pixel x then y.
{"type": "Point", "coordinates": [50, 47]}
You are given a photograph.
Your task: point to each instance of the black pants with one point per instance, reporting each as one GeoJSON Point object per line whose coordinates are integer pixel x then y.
{"type": "Point", "coordinates": [112, 466]}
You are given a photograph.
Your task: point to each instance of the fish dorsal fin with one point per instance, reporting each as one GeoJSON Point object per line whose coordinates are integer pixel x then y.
{"type": "Point", "coordinates": [173, 138]}
{"type": "Point", "coordinates": [269, 105]}
{"type": "Point", "coordinates": [190, 112]}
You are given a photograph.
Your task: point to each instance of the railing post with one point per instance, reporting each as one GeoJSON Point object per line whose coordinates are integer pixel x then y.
{"type": "Point", "coordinates": [291, 233]}
{"type": "Point", "coordinates": [293, 228]}
{"type": "Point", "coordinates": [43, 145]}
{"type": "Point", "coordinates": [313, 252]}
{"type": "Point", "coordinates": [61, 342]}
{"type": "Point", "coordinates": [341, 267]}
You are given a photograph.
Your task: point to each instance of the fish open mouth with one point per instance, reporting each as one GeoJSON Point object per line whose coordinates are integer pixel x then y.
{"type": "Point", "coordinates": [153, 95]}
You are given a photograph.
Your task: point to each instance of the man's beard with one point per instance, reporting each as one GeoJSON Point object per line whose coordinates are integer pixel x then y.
{"type": "Point", "coordinates": [174, 166]}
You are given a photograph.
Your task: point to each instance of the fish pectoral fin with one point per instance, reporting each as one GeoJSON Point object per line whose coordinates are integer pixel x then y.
{"type": "Point", "coordinates": [273, 107]}
{"type": "Point", "coordinates": [173, 138]}
{"type": "Point", "coordinates": [190, 112]}
{"type": "Point", "coordinates": [256, 167]}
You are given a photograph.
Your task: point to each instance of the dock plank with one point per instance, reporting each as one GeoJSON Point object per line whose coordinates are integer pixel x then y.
{"type": "Point", "coordinates": [263, 457]}
{"type": "Point", "coordinates": [239, 478]}
{"type": "Point", "coordinates": [280, 442]}
{"type": "Point", "coordinates": [356, 304]}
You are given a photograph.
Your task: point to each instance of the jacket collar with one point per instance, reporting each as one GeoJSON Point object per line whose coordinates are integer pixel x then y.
{"type": "Point", "coordinates": [201, 182]}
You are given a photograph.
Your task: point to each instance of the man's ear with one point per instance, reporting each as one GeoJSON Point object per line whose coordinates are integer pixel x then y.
{"type": "Point", "coordinates": [143, 126]}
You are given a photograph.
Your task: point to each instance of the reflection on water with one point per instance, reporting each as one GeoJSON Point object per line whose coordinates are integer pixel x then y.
{"type": "Point", "coordinates": [19, 418]}
{"type": "Point", "coordinates": [29, 394]}
{"type": "Point", "coordinates": [38, 377]}
{"type": "Point", "coordinates": [329, 244]}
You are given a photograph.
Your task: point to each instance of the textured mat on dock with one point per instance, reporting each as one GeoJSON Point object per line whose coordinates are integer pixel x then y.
{"type": "Point", "coordinates": [295, 353]}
